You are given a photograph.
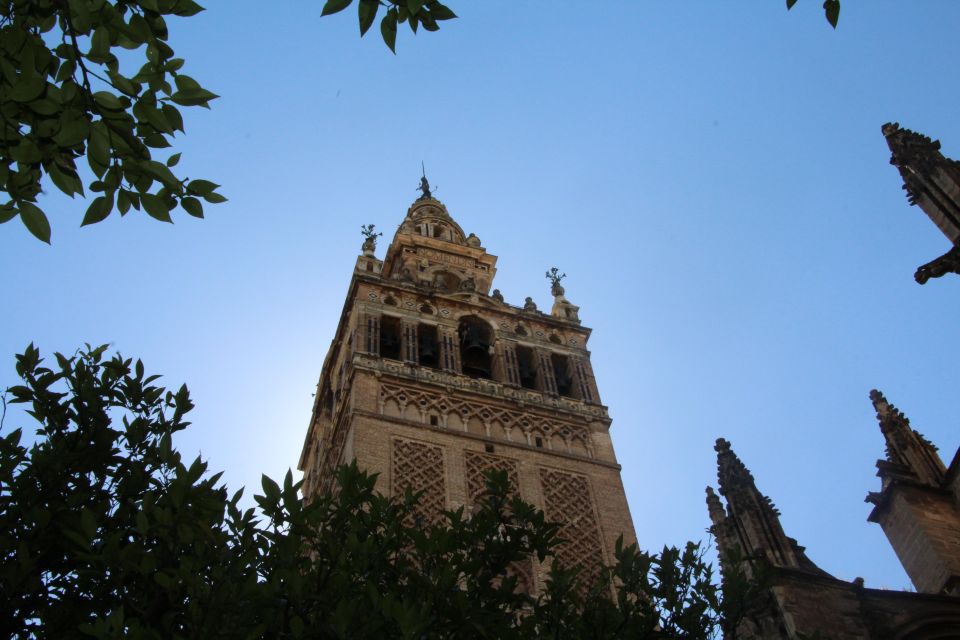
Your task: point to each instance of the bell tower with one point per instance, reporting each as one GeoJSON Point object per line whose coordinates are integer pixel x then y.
{"type": "Point", "coordinates": [433, 378]}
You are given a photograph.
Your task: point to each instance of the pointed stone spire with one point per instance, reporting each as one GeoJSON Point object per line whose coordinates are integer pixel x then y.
{"type": "Point", "coordinates": [750, 526]}
{"type": "Point", "coordinates": [932, 182]}
{"type": "Point", "coordinates": [907, 450]}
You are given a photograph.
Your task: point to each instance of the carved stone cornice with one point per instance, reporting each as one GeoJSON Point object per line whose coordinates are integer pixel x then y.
{"type": "Point", "coordinates": [481, 387]}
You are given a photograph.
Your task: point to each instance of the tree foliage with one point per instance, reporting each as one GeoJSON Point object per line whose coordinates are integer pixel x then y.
{"type": "Point", "coordinates": [831, 10]}
{"type": "Point", "coordinates": [64, 95]}
{"type": "Point", "coordinates": [105, 532]}
{"type": "Point", "coordinates": [415, 13]}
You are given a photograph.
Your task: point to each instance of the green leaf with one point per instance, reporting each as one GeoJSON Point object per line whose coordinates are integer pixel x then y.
{"type": "Point", "coordinates": [99, 45]}
{"type": "Point", "coordinates": [441, 12]}
{"type": "Point", "coordinates": [107, 100]}
{"type": "Point", "coordinates": [173, 116]}
{"type": "Point", "coordinates": [334, 6]}
{"type": "Point", "coordinates": [193, 97]}
{"type": "Point", "coordinates": [98, 148]}
{"type": "Point", "coordinates": [192, 206]}
{"type": "Point", "coordinates": [27, 89]}
{"type": "Point", "coordinates": [367, 10]}
{"type": "Point", "coordinates": [7, 213]}
{"type": "Point", "coordinates": [26, 152]}
{"type": "Point", "coordinates": [187, 8]}
{"type": "Point", "coordinates": [215, 198]}
{"type": "Point", "coordinates": [186, 83]}
{"type": "Point", "coordinates": [201, 187]}
{"type": "Point", "coordinates": [98, 211]}
{"type": "Point", "coordinates": [173, 160]}
{"type": "Point", "coordinates": [69, 183]}
{"type": "Point", "coordinates": [155, 206]}
{"type": "Point", "coordinates": [388, 29]}
{"type": "Point", "coordinates": [123, 201]}
{"type": "Point", "coordinates": [73, 131]}
{"type": "Point", "coordinates": [44, 107]}
{"type": "Point", "coordinates": [832, 10]}
{"type": "Point", "coordinates": [159, 171]}
{"type": "Point", "coordinates": [270, 488]}
{"type": "Point", "coordinates": [35, 221]}
{"type": "Point", "coordinates": [790, 4]}
{"type": "Point", "coordinates": [413, 6]}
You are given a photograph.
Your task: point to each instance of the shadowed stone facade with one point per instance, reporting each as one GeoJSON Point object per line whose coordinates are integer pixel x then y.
{"type": "Point", "coordinates": [918, 507]}
{"type": "Point", "coordinates": [432, 378]}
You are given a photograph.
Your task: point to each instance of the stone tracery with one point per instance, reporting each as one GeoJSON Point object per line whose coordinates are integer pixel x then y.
{"type": "Point", "coordinates": [515, 425]}
{"type": "Point", "coordinates": [568, 500]}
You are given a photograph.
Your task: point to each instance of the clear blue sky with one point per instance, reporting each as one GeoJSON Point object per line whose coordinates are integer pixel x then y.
{"type": "Point", "coordinates": [710, 175]}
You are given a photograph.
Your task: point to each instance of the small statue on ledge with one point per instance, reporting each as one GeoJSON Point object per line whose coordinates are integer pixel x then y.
{"type": "Point", "coordinates": [496, 295]}
{"type": "Point", "coordinates": [424, 187]}
{"type": "Point", "coordinates": [529, 304]}
{"type": "Point", "coordinates": [554, 276]}
{"type": "Point", "coordinates": [370, 239]}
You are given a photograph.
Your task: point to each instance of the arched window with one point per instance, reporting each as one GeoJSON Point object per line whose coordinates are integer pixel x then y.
{"type": "Point", "coordinates": [562, 375]}
{"type": "Point", "coordinates": [428, 349]}
{"type": "Point", "coordinates": [527, 367]}
{"type": "Point", "coordinates": [475, 348]}
{"type": "Point", "coordinates": [390, 337]}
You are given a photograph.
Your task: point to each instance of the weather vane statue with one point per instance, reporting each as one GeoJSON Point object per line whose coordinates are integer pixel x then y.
{"type": "Point", "coordinates": [554, 276]}
{"type": "Point", "coordinates": [369, 238]}
{"type": "Point", "coordinates": [424, 187]}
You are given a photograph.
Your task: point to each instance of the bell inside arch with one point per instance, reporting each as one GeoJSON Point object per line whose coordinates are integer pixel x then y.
{"type": "Point", "coordinates": [427, 347]}
{"type": "Point", "coordinates": [475, 347]}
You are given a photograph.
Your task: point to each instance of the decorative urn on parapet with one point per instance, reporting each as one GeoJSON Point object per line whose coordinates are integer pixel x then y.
{"type": "Point", "coordinates": [562, 308]}
{"type": "Point", "coordinates": [369, 239]}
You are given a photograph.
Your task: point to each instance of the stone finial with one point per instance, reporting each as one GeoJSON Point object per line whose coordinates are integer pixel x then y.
{"type": "Point", "coordinates": [909, 148]}
{"type": "Point", "coordinates": [554, 276]}
{"type": "Point", "coordinates": [369, 246]}
{"type": "Point", "coordinates": [473, 241]}
{"type": "Point", "coordinates": [904, 445]}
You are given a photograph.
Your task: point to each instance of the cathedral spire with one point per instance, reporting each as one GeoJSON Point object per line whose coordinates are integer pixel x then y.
{"type": "Point", "coordinates": [906, 448]}
{"type": "Point", "coordinates": [750, 527]}
{"type": "Point", "coordinates": [932, 182]}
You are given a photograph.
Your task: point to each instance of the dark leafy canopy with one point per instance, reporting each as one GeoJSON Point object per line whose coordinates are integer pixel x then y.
{"type": "Point", "coordinates": [415, 13]}
{"type": "Point", "coordinates": [106, 533]}
{"type": "Point", "coordinates": [831, 9]}
{"type": "Point", "coordinates": [64, 95]}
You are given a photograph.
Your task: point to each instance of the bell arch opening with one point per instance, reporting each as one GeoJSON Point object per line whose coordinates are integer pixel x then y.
{"type": "Point", "coordinates": [476, 345]}
{"type": "Point", "coordinates": [390, 337]}
{"type": "Point", "coordinates": [428, 348]}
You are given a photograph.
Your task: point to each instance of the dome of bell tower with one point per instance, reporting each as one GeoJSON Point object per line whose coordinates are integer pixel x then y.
{"type": "Point", "coordinates": [429, 217]}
